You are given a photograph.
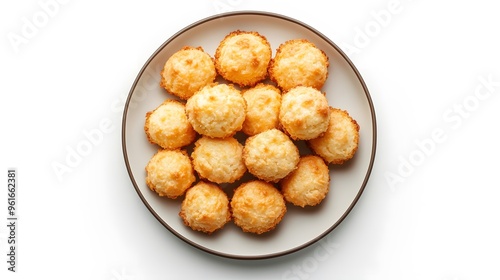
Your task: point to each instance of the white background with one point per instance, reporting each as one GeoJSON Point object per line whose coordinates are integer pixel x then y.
{"type": "Point", "coordinates": [426, 213]}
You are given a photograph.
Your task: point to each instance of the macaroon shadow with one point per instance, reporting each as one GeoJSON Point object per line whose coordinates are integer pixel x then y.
{"type": "Point", "coordinates": [344, 167]}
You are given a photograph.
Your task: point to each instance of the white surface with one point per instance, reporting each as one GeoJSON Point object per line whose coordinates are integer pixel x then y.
{"type": "Point", "coordinates": [423, 62]}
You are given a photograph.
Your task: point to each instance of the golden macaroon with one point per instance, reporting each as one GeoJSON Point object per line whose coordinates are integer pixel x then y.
{"type": "Point", "coordinates": [170, 173]}
{"type": "Point", "coordinates": [205, 207]}
{"type": "Point", "coordinates": [257, 207]}
{"type": "Point", "coordinates": [340, 141]}
{"type": "Point", "coordinates": [219, 160]}
{"type": "Point", "coordinates": [298, 62]}
{"type": "Point", "coordinates": [270, 155]}
{"type": "Point", "coordinates": [308, 184]}
{"type": "Point", "coordinates": [304, 113]}
{"type": "Point", "coordinates": [263, 105]}
{"type": "Point", "coordinates": [217, 110]}
{"type": "Point", "coordinates": [168, 126]}
{"type": "Point", "coordinates": [242, 57]}
{"type": "Point", "coordinates": [187, 71]}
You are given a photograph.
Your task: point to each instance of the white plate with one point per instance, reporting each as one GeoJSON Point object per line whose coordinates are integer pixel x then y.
{"type": "Point", "coordinates": [300, 228]}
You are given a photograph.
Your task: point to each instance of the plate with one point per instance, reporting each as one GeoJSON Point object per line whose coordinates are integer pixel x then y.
{"type": "Point", "coordinates": [300, 227]}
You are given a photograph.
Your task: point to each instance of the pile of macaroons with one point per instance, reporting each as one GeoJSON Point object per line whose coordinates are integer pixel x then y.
{"type": "Point", "coordinates": [248, 122]}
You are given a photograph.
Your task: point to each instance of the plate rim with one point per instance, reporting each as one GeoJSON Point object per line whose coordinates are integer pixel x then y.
{"type": "Point", "coordinates": [245, 13]}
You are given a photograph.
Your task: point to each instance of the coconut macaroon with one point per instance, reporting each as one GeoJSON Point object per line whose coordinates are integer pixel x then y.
{"type": "Point", "coordinates": [219, 160]}
{"type": "Point", "coordinates": [242, 57]}
{"type": "Point", "coordinates": [270, 155]}
{"type": "Point", "coordinates": [187, 71]}
{"type": "Point", "coordinates": [170, 173]}
{"type": "Point", "coordinates": [308, 184]}
{"type": "Point", "coordinates": [168, 126]}
{"type": "Point", "coordinates": [217, 110]}
{"type": "Point", "coordinates": [205, 207]}
{"type": "Point", "coordinates": [340, 141]}
{"type": "Point", "coordinates": [304, 113]}
{"type": "Point", "coordinates": [298, 62]}
{"type": "Point", "coordinates": [257, 207]}
{"type": "Point", "coordinates": [263, 105]}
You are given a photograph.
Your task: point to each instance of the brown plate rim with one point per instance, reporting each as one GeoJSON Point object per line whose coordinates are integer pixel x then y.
{"type": "Point", "coordinates": [326, 39]}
